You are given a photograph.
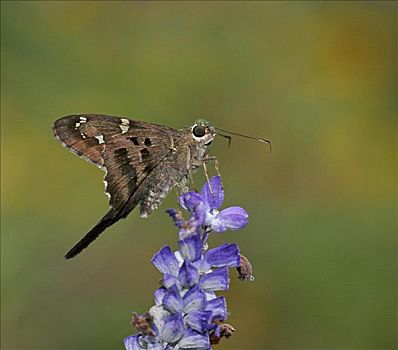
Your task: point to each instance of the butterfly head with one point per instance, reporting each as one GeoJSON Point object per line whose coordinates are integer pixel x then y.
{"type": "Point", "coordinates": [203, 132]}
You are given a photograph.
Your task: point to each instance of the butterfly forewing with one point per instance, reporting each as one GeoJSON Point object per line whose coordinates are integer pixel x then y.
{"type": "Point", "coordinates": [127, 150]}
{"type": "Point", "coordinates": [77, 133]}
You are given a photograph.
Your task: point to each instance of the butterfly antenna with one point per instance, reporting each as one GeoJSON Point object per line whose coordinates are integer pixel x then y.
{"type": "Point", "coordinates": [227, 137]}
{"type": "Point", "coordinates": [268, 142]}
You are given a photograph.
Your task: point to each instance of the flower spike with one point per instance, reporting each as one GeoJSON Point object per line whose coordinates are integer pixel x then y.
{"type": "Point", "coordinates": [187, 313]}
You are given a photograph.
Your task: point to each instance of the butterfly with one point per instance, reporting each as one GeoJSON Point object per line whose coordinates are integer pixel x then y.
{"type": "Point", "coordinates": [142, 161]}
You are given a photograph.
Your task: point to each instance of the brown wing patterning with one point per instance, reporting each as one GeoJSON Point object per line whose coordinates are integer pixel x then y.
{"type": "Point", "coordinates": [139, 158]}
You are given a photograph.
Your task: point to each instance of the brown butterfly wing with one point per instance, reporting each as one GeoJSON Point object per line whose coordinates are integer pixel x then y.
{"type": "Point", "coordinates": [138, 158]}
{"type": "Point", "coordinates": [127, 150]}
{"type": "Point", "coordinates": [81, 134]}
{"type": "Point", "coordinates": [130, 157]}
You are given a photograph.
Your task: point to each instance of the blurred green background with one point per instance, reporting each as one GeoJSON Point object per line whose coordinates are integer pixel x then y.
{"type": "Point", "coordinates": [315, 78]}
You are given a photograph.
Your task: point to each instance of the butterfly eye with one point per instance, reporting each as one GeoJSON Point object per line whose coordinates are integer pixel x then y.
{"type": "Point", "coordinates": [198, 130]}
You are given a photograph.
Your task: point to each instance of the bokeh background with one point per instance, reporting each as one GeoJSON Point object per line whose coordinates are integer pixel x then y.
{"type": "Point", "coordinates": [317, 78]}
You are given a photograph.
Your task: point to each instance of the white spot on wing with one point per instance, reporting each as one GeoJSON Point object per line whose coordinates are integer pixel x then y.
{"type": "Point", "coordinates": [124, 128]}
{"type": "Point", "coordinates": [100, 138]}
{"type": "Point", "coordinates": [125, 125]}
{"type": "Point", "coordinates": [81, 121]}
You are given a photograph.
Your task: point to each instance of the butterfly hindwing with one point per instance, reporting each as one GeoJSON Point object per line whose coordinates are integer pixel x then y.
{"type": "Point", "coordinates": [129, 158]}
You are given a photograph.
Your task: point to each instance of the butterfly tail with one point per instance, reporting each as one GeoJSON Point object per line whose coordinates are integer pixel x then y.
{"type": "Point", "coordinates": [109, 219]}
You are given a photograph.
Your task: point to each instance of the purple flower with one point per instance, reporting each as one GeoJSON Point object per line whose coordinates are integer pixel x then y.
{"type": "Point", "coordinates": [187, 312]}
{"type": "Point", "coordinates": [132, 342]}
{"type": "Point", "coordinates": [204, 208]}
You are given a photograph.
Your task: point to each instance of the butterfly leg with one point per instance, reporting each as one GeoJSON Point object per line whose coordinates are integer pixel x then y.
{"type": "Point", "coordinates": [204, 161]}
{"type": "Point", "coordinates": [207, 176]}
{"type": "Point", "coordinates": [216, 164]}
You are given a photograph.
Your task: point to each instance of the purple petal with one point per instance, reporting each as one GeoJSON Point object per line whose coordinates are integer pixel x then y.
{"type": "Point", "coordinates": [176, 216]}
{"type": "Point", "coordinates": [172, 301]}
{"type": "Point", "coordinates": [165, 261]}
{"type": "Point", "coordinates": [173, 328]}
{"type": "Point", "coordinates": [199, 214]}
{"type": "Point", "coordinates": [159, 295]}
{"type": "Point", "coordinates": [190, 200]}
{"type": "Point", "coordinates": [194, 340]}
{"type": "Point", "coordinates": [194, 203]}
{"type": "Point", "coordinates": [194, 299]}
{"type": "Point", "coordinates": [218, 309]}
{"type": "Point", "coordinates": [232, 218]}
{"type": "Point", "coordinates": [155, 346]}
{"type": "Point", "coordinates": [179, 257]}
{"type": "Point", "coordinates": [132, 342]}
{"type": "Point", "coordinates": [201, 265]}
{"type": "Point", "coordinates": [191, 247]}
{"type": "Point", "coordinates": [215, 197]}
{"type": "Point", "coordinates": [210, 295]}
{"type": "Point", "coordinates": [170, 280]}
{"type": "Point", "coordinates": [189, 275]}
{"type": "Point", "coordinates": [159, 314]}
{"type": "Point", "coordinates": [216, 280]}
{"type": "Point", "coordinates": [198, 320]}
{"type": "Point", "coordinates": [224, 255]}
{"type": "Point", "coordinates": [190, 228]}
